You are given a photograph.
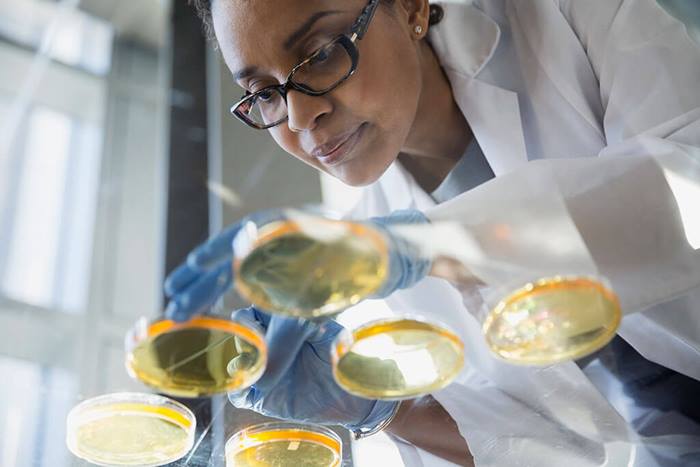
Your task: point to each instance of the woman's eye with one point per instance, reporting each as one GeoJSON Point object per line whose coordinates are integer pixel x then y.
{"type": "Point", "coordinates": [320, 57]}
{"type": "Point", "coordinates": [264, 96]}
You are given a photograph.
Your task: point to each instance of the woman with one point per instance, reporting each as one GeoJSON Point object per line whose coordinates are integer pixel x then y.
{"type": "Point", "coordinates": [419, 104]}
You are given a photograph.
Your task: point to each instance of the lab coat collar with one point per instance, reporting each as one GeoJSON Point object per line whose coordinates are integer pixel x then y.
{"type": "Point", "coordinates": [465, 41]}
{"type": "Point", "coordinates": [476, 33]}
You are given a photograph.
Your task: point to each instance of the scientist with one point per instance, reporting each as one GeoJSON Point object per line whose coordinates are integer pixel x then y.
{"type": "Point", "coordinates": [421, 103]}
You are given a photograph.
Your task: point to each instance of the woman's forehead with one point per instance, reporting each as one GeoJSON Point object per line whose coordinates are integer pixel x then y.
{"type": "Point", "coordinates": [250, 30]}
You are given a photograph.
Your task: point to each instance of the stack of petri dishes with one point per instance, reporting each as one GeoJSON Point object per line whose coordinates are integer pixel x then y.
{"type": "Point", "coordinates": [204, 356]}
{"type": "Point", "coordinates": [306, 265]}
{"type": "Point", "coordinates": [302, 264]}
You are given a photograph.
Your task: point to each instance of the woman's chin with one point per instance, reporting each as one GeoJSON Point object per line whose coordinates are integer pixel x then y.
{"type": "Point", "coordinates": [358, 173]}
{"type": "Point", "coordinates": [357, 178]}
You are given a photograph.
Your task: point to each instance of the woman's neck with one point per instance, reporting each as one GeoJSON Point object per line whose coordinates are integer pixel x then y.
{"type": "Point", "coordinates": [440, 133]}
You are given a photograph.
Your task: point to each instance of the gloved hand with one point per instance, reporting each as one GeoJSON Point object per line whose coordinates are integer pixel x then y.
{"type": "Point", "coordinates": [406, 265]}
{"type": "Point", "coordinates": [204, 277]}
{"type": "Point", "coordinates": [207, 274]}
{"type": "Point", "coordinates": [298, 383]}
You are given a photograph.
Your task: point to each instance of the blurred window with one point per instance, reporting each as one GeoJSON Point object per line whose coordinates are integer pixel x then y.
{"type": "Point", "coordinates": [51, 119]}
{"type": "Point", "coordinates": [40, 399]}
{"type": "Point", "coordinates": [58, 29]}
{"type": "Point", "coordinates": [47, 218]}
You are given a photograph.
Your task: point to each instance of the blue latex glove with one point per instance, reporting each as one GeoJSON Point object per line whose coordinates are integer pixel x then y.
{"type": "Point", "coordinates": [406, 265]}
{"type": "Point", "coordinates": [206, 275]}
{"type": "Point", "coordinates": [298, 383]}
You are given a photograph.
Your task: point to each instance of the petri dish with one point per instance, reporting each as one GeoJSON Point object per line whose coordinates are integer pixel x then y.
{"type": "Point", "coordinates": [397, 358]}
{"type": "Point", "coordinates": [281, 444]}
{"type": "Point", "coordinates": [201, 357]}
{"type": "Point", "coordinates": [553, 320]}
{"type": "Point", "coordinates": [308, 266]}
{"type": "Point", "coordinates": [130, 429]}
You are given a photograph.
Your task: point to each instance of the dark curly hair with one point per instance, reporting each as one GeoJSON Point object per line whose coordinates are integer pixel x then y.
{"type": "Point", "coordinates": [203, 8]}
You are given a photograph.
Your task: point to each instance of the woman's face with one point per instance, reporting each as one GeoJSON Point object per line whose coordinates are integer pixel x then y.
{"type": "Point", "coordinates": [356, 131]}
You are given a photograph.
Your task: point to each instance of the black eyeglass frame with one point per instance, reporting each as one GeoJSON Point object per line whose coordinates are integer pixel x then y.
{"type": "Point", "coordinates": [347, 41]}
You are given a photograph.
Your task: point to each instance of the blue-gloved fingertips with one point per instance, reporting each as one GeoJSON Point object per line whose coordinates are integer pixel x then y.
{"type": "Point", "coordinates": [179, 279]}
{"type": "Point", "coordinates": [201, 295]}
{"type": "Point", "coordinates": [180, 316]}
{"type": "Point", "coordinates": [171, 310]}
{"type": "Point", "coordinates": [179, 310]}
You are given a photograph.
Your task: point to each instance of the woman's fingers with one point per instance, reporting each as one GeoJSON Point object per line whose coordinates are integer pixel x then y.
{"type": "Point", "coordinates": [179, 279]}
{"type": "Point", "coordinates": [251, 315]}
{"type": "Point", "coordinates": [201, 294]}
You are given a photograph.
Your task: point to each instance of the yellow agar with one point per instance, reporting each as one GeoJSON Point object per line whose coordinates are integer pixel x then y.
{"type": "Point", "coordinates": [132, 434]}
{"type": "Point", "coordinates": [201, 357]}
{"type": "Point", "coordinates": [553, 320]}
{"type": "Point", "coordinates": [397, 359]}
{"type": "Point", "coordinates": [284, 448]}
{"type": "Point", "coordinates": [293, 273]}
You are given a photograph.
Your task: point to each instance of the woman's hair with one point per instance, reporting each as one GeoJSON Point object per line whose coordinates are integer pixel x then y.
{"type": "Point", "coordinates": [203, 8]}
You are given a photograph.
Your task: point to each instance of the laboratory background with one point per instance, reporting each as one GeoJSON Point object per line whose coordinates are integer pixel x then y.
{"type": "Point", "coordinates": [118, 156]}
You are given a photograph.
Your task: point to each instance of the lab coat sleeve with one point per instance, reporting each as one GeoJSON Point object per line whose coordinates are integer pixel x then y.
{"type": "Point", "coordinates": [647, 66]}
{"type": "Point", "coordinates": [614, 216]}
{"type": "Point", "coordinates": [636, 207]}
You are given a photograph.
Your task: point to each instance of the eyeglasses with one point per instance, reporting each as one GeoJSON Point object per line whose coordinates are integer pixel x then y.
{"type": "Point", "coordinates": [319, 74]}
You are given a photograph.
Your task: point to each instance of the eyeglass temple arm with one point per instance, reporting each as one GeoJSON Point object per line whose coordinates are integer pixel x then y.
{"type": "Point", "coordinates": [360, 27]}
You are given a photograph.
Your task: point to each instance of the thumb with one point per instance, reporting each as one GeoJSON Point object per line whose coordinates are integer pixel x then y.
{"type": "Point", "coordinates": [244, 399]}
{"type": "Point", "coordinates": [251, 315]}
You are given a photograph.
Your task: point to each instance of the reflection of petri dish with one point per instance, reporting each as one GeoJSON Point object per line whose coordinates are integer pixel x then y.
{"type": "Point", "coordinates": [281, 444]}
{"type": "Point", "coordinates": [200, 357]}
{"type": "Point", "coordinates": [309, 266]}
{"type": "Point", "coordinates": [552, 320]}
{"type": "Point", "coordinates": [130, 429]}
{"type": "Point", "coordinates": [396, 359]}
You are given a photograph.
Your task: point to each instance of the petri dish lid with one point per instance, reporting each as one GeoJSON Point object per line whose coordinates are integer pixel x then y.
{"type": "Point", "coordinates": [204, 356]}
{"type": "Point", "coordinates": [396, 358]}
{"type": "Point", "coordinates": [130, 429]}
{"type": "Point", "coordinates": [282, 444]}
{"type": "Point", "coordinates": [307, 266]}
{"type": "Point", "coordinates": [552, 320]}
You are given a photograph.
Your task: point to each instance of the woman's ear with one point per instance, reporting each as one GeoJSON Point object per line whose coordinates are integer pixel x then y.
{"type": "Point", "coordinates": [417, 13]}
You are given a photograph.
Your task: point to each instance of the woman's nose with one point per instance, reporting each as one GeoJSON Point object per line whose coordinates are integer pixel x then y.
{"type": "Point", "coordinates": [305, 111]}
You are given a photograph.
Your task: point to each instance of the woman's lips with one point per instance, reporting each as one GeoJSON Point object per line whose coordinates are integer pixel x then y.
{"type": "Point", "coordinates": [338, 154]}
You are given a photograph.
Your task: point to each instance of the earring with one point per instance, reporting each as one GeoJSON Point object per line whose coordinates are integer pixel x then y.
{"type": "Point", "coordinates": [418, 29]}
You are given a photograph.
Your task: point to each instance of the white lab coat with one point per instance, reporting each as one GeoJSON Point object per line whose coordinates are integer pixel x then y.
{"type": "Point", "coordinates": [610, 81]}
